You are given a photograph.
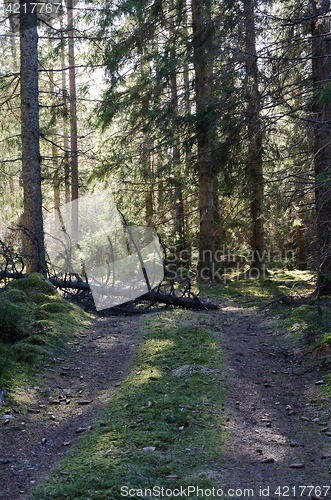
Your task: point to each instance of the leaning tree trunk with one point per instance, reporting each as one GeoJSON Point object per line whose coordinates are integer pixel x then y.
{"type": "Point", "coordinates": [31, 173]}
{"type": "Point", "coordinates": [206, 208]}
{"type": "Point", "coordinates": [255, 140]}
{"type": "Point", "coordinates": [321, 68]}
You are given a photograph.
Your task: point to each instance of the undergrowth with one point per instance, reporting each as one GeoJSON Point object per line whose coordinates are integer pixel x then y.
{"type": "Point", "coordinates": [165, 419]}
{"type": "Point", "coordinates": [286, 296]}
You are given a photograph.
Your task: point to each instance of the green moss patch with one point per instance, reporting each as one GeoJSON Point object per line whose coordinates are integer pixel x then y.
{"type": "Point", "coordinates": [279, 286]}
{"type": "Point", "coordinates": [165, 419]}
{"type": "Point", "coordinates": [13, 295]}
{"type": "Point", "coordinates": [36, 282]}
{"type": "Point", "coordinates": [34, 320]}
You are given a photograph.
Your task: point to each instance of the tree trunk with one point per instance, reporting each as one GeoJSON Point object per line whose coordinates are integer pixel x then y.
{"type": "Point", "coordinates": [56, 168]}
{"type": "Point", "coordinates": [178, 190]}
{"type": "Point", "coordinates": [161, 197]}
{"type": "Point", "coordinates": [73, 124]}
{"type": "Point", "coordinates": [65, 124]}
{"type": "Point", "coordinates": [146, 160]}
{"type": "Point", "coordinates": [206, 208]}
{"type": "Point", "coordinates": [147, 176]}
{"type": "Point", "coordinates": [301, 246]}
{"type": "Point", "coordinates": [321, 68]}
{"type": "Point", "coordinates": [33, 219]}
{"type": "Point", "coordinates": [219, 234]}
{"type": "Point", "coordinates": [179, 214]}
{"type": "Point", "coordinates": [13, 44]}
{"type": "Point", "coordinates": [186, 70]}
{"type": "Point", "coordinates": [13, 187]}
{"type": "Point", "coordinates": [254, 159]}
{"type": "Point", "coordinates": [11, 175]}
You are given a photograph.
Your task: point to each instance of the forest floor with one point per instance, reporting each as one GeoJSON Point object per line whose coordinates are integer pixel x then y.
{"type": "Point", "coordinates": [44, 419]}
{"type": "Point", "coordinates": [274, 413]}
{"type": "Point", "coordinates": [260, 415]}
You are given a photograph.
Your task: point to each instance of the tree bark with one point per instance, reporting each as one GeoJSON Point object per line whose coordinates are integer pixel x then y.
{"type": "Point", "coordinates": [56, 168]}
{"type": "Point", "coordinates": [146, 160]}
{"type": "Point", "coordinates": [254, 159]}
{"type": "Point", "coordinates": [301, 246]}
{"type": "Point", "coordinates": [31, 159]}
{"type": "Point", "coordinates": [73, 124]}
{"type": "Point", "coordinates": [171, 300]}
{"type": "Point", "coordinates": [65, 123]}
{"type": "Point", "coordinates": [178, 190]}
{"type": "Point", "coordinates": [206, 208]}
{"type": "Point", "coordinates": [11, 175]}
{"type": "Point", "coordinates": [186, 70]}
{"type": "Point", "coordinates": [321, 70]}
{"type": "Point", "coordinates": [147, 176]}
{"type": "Point", "coordinates": [219, 233]}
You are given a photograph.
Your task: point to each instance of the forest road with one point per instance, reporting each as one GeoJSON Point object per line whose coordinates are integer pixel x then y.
{"type": "Point", "coordinates": [68, 395]}
{"type": "Point", "coordinates": [276, 445]}
{"type": "Point", "coordinates": [278, 442]}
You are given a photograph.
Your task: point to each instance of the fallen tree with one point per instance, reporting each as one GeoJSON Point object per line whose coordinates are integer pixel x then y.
{"type": "Point", "coordinates": [12, 267]}
{"type": "Point", "coordinates": [171, 299]}
{"type": "Point", "coordinates": [153, 296]}
{"type": "Point", "coordinates": [187, 302]}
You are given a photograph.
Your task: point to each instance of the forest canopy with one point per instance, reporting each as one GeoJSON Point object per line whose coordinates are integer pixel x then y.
{"type": "Point", "coordinates": [209, 121]}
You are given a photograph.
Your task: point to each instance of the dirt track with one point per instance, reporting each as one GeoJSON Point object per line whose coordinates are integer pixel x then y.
{"type": "Point", "coordinates": [272, 413]}
{"type": "Point", "coordinates": [88, 370]}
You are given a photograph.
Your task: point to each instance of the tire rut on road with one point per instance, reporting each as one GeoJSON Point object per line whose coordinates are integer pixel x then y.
{"type": "Point", "coordinates": [272, 415]}
{"type": "Point", "coordinates": [69, 395]}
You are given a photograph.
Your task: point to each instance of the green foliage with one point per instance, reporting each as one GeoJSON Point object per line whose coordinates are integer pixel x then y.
{"type": "Point", "coordinates": [324, 177]}
{"type": "Point", "coordinates": [56, 307]}
{"type": "Point", "coordinates": [40, 297]}
{"type": "Point", "coordinates": [14, 295]}
{"type": "Point", "coordinates": [137, 114]}
{"type": "Point", "coordinates": [28, 353]}
{"type": "Point", "coordinates": [280, 286]}
{"type": "Point", "coordinates": [324, 94]}
{"type": "Point", "coordinates": [36, 283]}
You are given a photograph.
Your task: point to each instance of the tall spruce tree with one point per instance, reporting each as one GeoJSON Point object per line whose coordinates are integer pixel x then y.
{"type": "Point", "coordinates": [321, 68]}
{"type": "Point", "coordinates": [254, 157]}
{"type": "Point", "coordinates": [206, 207]}
{"type": "Point", "coordinates": [31, 172]}
{"type": "Point", "coordinates": [73, 122]}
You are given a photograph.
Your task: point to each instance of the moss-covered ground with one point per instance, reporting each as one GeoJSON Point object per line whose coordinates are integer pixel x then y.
{"type": "Point", "coordinates": [287, 297]}
{"type": "Point", "coordinates": [34, 323]}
